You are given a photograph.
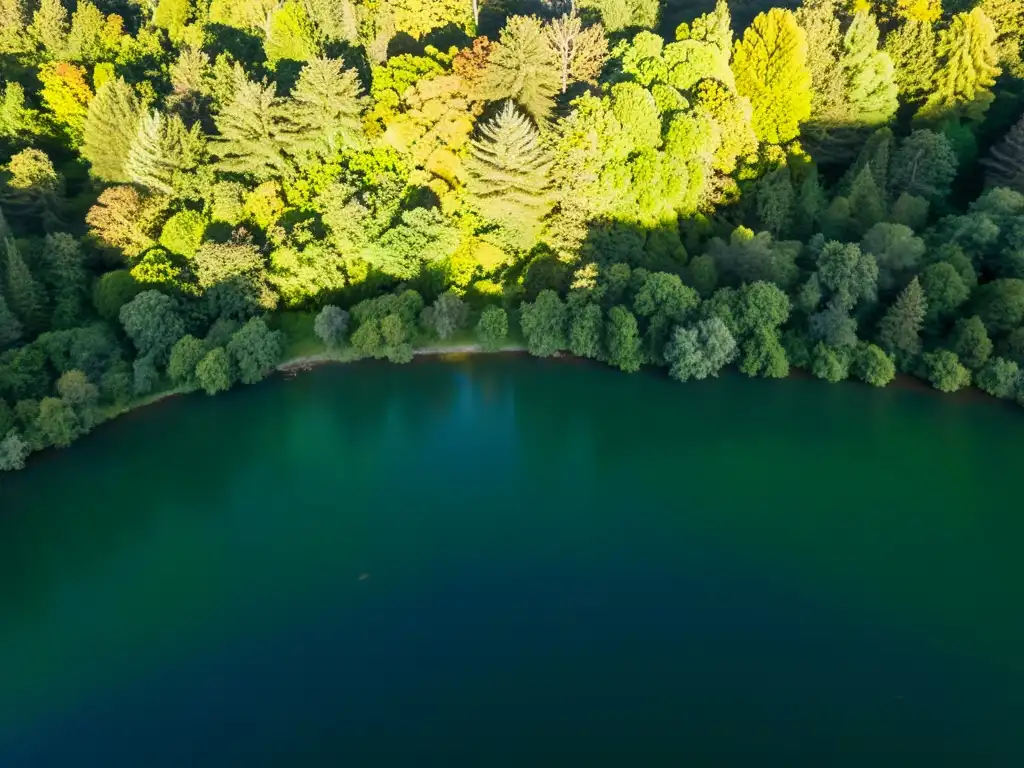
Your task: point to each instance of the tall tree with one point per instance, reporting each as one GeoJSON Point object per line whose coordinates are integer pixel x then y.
{"type": "Point", "coordinates": [50, 27]}
{"type": "Point", "coordinates": [10, 326]}
{"type": "Point", "coordinates": [770, 64]}
{"type": "Point", "coordinates": [25, 295]}
{"type": "Point", "coordinates": [328, 103]}
{"type": "Point", "coordinates": [969, 66]}
{"type": "Point", "coordinates": [911, 46]}
{"type": "Point", "coordinates": [523, 66]}
{"type": "Point", "coordinates": [13, 18]}
{"type": "Point", "coordinates": [110, 129]}
{"type": "Point", "coordinates": [148, 163]}
{"type": "Point", "coordinates": [256, 133]}
{"type": "Point", "coordinates": [1004, 167]}
{"type": "Point", "coordinates": [868, 73]}
{"type": "Point", "coordinates": [899, 333]}
{"type": "Point", "coordinates": [582, 51]}
{"type": "Point", "coordinates": [291, 35]}
{"type": "Point", "coordinates": [508, 172]}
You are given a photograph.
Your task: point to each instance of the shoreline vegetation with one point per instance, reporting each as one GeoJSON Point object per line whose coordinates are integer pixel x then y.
{"type": "Point", "coordinates": [192, 191]}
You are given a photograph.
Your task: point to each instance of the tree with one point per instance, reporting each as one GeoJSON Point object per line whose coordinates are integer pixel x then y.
{"type": "Point", "coordinates": [183, 233]}
{"type": "Point", "coordinates": [624, 348]}
{"type": "Point", "coordinates": [523, 67]}
{"type": "Point", "coordinates": [25, 297]}
{"type": "Point", "coordinates": [57, 423]}
{"type": "Point", "coordinates": [586, 327]}
{"type": "Point", "coordinates": [963, 82]}
{"type": "Point", "coordinates": [149, 163]}
{"type": "Point", "coordinates": [153, 323]}
{"type": "Point", "coordinates": [328, 103]}
{"type": "Point", "coordinates": [445, 316]}
{"type": "Point", "coordinates": [13, 452]}
{"type": "Point", "coordinates": [291, 35]}
{"type": "Point", "coordinates": [544, 324]}
{"type": "Point", "coordinates": [829, 363]}
{"type": "Point", "coordinates": [34, 189]}
{"type": "Point", "coordinates": [1000, 378]}
{"type": "Point", "coordinates": [871, 92]}
{"type": "Point", "coordinates": [664, 301]}
{"type": "Point", "coordinates": [999, 304]}
{"type": "Point", "coordinates": [66, 94]}
{"type": "Point", "coordinates": [186, 354]}
{"type": "Point", "coordinates": [945, 371]}
{"type": "Point", "coordinates": [896, 250]}
{"type": "Point", "coordinates": [331, 326]}
{"type": "Point", "coordinates": [50, 27]}
{"type": "Point", "coordinates": [899, 333]}
{"type": "Point", "coordinates": [419, 17]}
{"type": "Point", "coordinates": [112, 291]}
{"type": "Point", "coordinates": [700, 352]}
{"type": "Point", "coordinates": [10, 326]}
{"type": "Point", "coordinates": [13, 16]}
{"type": "Point", "coordinates": [508, 173]}
{"type": "Point", "coordinates": [944, 290]}
{"type": "Point", "coordinates": [582, 51]}
{"type": "Point", "coordinates": [110, 128]}
{"type": "Point", "coordinates": [618, 15]}
{"type": "Point", "coordinates": [971, 342]}
{"type": "Point", "coordinates": [925, 165]}
{"type": "Point", "coordinates": [492, 328]}
{"type": "Point", "coordinates": [771, 70]}
{"type": "Point", "coordinates": [213, 372]}
{"type": "Point", "coordinates": [764, 355]}
{"type": "Point", "coordinates": [849, 275]}
{"type": "Point", "coordinates": [911, 46]}
{"type": "Point", "coordinates": [873, 366]}
{"type": "Point", "coordinates": [256, 133]}
{"type": "Point", "coordinates": [66, 278]}
{"type": "Point", "coordinates": [255, 350]}
{"type": "Point", "coordinates": [19, 123]}
{"type": "Point", "coordinates": [1004, 167]}
{"type": "Point", "coordinates": [124, 219]}
{"type": "Point", "coordinates": [87, 41]}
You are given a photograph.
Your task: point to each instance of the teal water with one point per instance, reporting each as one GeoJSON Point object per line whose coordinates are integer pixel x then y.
{"type": "Point", "coordinates": [515, 562]}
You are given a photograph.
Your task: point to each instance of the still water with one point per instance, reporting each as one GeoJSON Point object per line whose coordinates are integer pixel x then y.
{"type": "Point", "coordinates": [515, 562]}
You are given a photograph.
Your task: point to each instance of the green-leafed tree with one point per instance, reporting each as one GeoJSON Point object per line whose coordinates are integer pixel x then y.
{"type": "Point", "coordinates": [544, 324]}
{"type": "Point", "coordinates": [492, 328]}
{"type": "Point", "coordinates": [327, 107]}
{"type": "Point", "coordinates": [624, 347]}
{"type": "Point", "coordinates": [523, 66]}
{"type": "Point", "coordinates": [291, 35]}
{"type": "Point", "coordinates": [770, 64]}
{"type": "Point", "coordinates": [10, 326]}
{"type": "Point", "coordinates": [255, 350]}
{"type": "Point", "coordinates": [149, 163]}
{"type": "Point", "coordinates": [962, 86]}
{"type": "Point", "coordinates": [911, 46]}
{"type": "Point", "coordinates": [257, 133]}
{"type": "Point", "coordinates": [1004, 167]}
{"type": "Point", "coordinates": [25, 296]}
{"type": "Point", "coordinates": [508, 174]}
{"type": "Point", "coordinates": [110, 128]}
{"type": "Point", "coordinates": [50, 27]}
{"type": "Point", "coordinates": [899, 333]}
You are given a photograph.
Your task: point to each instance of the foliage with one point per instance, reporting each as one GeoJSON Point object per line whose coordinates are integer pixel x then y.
{"type": "Point", "coordinates": [544, 323]}
{"type": "Point", "coordinates": [331, 326]}
{"type": "Point", "coordinates": [492, 328]}
{"type": "Point", "coordinates": [523, 67]}
{"type": "Point", "coordinates": [945, 371]}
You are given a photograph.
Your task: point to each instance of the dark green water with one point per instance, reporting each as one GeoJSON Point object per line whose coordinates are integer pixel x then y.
{"type": "Point", "coordinates": [511, 562]}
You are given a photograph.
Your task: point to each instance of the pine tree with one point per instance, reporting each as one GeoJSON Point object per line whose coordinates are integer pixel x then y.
{"type": "Point", "coordinates": [509, 173]}
{"type": "Point", "coordinates": [819, 20]}
{"type": "Point", "coordinates": [256, 133]}
{"type": "Point", "coordinates": [771, 71]}
{"type": "Point", "coordinates": [50, 27]}
{"type": "Point", "coordinates": [1004, 167]}
{"type": "Point", "coordinates": [523, 67]}
{"type": "Point", "coordinates": [1008, 19]}
{"type": "Point", "coordinates": [867, 204]}
{"type": "Point", "coordinates": [328, 104]}
{"type": "Point", "coordinates": [13, 17]}
{"type": "Point", "coordinates": [65, 276]}
{"type": "Point", "coordinates": [899, 333]}
{"type": "Point", "coordinates": [148, 163]}
{"type": "Point", "coordinates": [25, 296]}
{"type": "Point", "coordinates": [582, 51]}
{"type": "Point", "coordinates": [963, 83]}
{"type": "Point", "coordinates": [868, 72]}
{"type": "Point", "coordinates": [911, 46]}
{"type": "Point", "coordinates": [110, 129]}
{"type": "Point", "coordinates": [10, 327]}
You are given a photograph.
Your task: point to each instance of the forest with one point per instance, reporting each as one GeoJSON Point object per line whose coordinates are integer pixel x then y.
{"type": "Point", "coordinates": [193, 190]}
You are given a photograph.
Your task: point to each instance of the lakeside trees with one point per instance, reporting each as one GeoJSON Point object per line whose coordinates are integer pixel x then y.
{"type": "Point", "coordinates": [188, 190]}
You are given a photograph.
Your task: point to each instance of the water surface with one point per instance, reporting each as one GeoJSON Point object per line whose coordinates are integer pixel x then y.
{"type": "Point", "coordinates": [514, 562]}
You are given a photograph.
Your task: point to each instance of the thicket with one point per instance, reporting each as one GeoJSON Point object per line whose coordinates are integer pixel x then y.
{"type": "Point", "coordinates": [838, 188]}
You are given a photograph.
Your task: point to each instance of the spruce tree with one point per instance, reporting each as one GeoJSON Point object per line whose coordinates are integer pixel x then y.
{"type": "Point", "coordinates": [149, 164]}
{"type": "Point", "coordinates": [256, 133]}
{"type": "Point", "coordinates": [867, 204]}
{"type": "Point", "coordinates": [509, 173]}
{"type": "Point", "coordinates": [1004, 167]}
{"type": "Point", "coordinates": [110, 129]}
{"type": "Point", "coordinates": [328, 103]}
{"type": "Point", "coordinates": [899, 333]}
{"type": "Point", "coordinates": [25, 296]}
{"type": "Point", "coordinates": [50, 27]}
{"type": "Point", "coordinates": [13, 17]}
{"type": "Point", "coordinates": [868, 73]}
{"type": "Point", "coordinates": [911, 46]}
{"type": "Point", "coordinates": [819, 20]}
{"type": "Point", "coordinates": [10, 326]}
{"type": "Point", "coordinates": [771, 70]}
{"type": "Point", "coordinates": [962, 86]}
{"type": "Point", "coordinates": [523, 67]}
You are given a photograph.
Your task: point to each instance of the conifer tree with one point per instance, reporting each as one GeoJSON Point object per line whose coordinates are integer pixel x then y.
{"type": "Point", "coordinates": [50, 27]}
{"type": "Point", "coordinates": [148, 163]}
{"type": "Point", "coordinates": [10, 326]}
{"type": "Point", "coordinates": [819, 20]}
{"type": "Point", "coordinates": [771, 70]}
{"type": "Point", "coordinates": [899, 333]}
{"type": "Point", "coordinates": [509, 173]}
{"type": "Point", "coordinates": [328, 103]}
{"type": "Point", "coordinates": [13, 18]}
{"type": "Point", "coordinates": [523, 67]}
{"type": "Point", "coordinates": [25, 296]}
{"type": "Point", "coordinates": [962, 85]}
{"type": "Point", "coordinates": [582, 51]}
{"type": "Point", "coordinates": [1004, 167]}
{"type": "Point", "coordinates": [868, 72]}
{"type": "Point", "coordinates": [256, 133]}
{"type": "Point", "coordinates": [110, 129]}
{"type": "Point", "coordinates": [291, 35]}
{"type": "Point", "coordinates": [911, 46]}
{"type": "Point", "coordinates": [85, 39]}
{"type": "Point", "coordinates": [867, 204]}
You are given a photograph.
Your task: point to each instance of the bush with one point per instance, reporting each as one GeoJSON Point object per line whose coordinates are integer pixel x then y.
{"type": "Point", "coordinates": [214, 371]}
{"type": "Point", "coordinates": [183, 233]}
{"type": "Point", "coordinates": [331, 326]}
{"type": "Point", "coordinates": [492, 328]}
{"type": "Point", "coordinates": [1000, 378]}
{"type": "Point", "coordinates": [945, 371]}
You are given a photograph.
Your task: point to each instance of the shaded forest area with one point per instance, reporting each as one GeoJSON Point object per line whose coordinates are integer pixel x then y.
{"type": "Point", "coordinates": [194, 189]}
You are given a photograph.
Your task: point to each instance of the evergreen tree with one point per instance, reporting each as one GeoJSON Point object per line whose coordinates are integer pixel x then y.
{"type": "Point", "coordinates": [13, 17]}
{"type": "Point", "coordinates": [523, 67]}
{"type": "Point", "coordinates": [328, 103]}
{"type": "Point", "coordinates": [911, 46]}
{"type": "Point", "coordinates": [256, 133]}
{"type": "Point", "coordinates": [819, 20]}
{"type": "Point", "coordinates": [148, 163]}
{"type": "Point", "coordinates": [868, 73]}
{"type": "Point", "coordinates": [899, 333]}
{"type": "Point", "coordinates": [582, 51]}
{"type": "Point", "coordinates": [1004, 167]}
{"type": "Point", "coordinates": [291, 35]}
{"type": "Point", "coordinates": [86, 38]}
{"type": "Point", "coordinates": [25, 296]}
{"type": "Point", "coordinates": [867, 205]}
{"type": "Point", "coordinates": [50, 27]}
{"type": "Point", "coordinates": [924, 165]}
{"type": "Point", "coordinates": [509, 173]}
{"type": "Point", "coordinates": [963, 82]}
{"type": "Point", "coordinates": [10, 327]}
{"type": "Point", "coordinates": [110, 129]}
{"type": "Point", "coordinates": [66, 277]}
{"type": "Point", "coordinates": [771, 70]}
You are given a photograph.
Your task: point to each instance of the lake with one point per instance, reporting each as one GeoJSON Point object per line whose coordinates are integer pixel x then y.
{"type": "Point", "coordinates": [515, 562]}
